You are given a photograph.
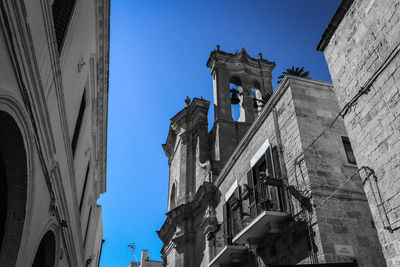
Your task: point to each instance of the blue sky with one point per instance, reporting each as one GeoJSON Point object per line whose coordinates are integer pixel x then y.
{"type": "Point", "coordinates": [158, 54]}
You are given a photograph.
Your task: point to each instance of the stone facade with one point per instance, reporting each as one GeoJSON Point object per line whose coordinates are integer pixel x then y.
{"type": "Point", "coordinates": [361, 47]}
{"type": "Point", "coordinates": [53, 131]}
{"type": "Point", "coordinates": [278, 197]}
{"type": "Point", "coordinates": [145, 261]}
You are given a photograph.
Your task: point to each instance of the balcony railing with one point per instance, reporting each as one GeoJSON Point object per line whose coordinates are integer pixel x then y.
{"type": "Point", "coordinates": [267, 208]}
{"type": "Point", "coordinates": [257, 212]}
{"type": "Point", "coordinates": [222, 251]}
{"type": "Point", "coordinates": [269, 195]}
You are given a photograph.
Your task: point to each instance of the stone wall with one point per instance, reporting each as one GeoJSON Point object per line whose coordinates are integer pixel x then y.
{"type": "Point", "coordinates": [344, 218]}
{"type": "Point", "coordinates": [304, 108]}
{"type": "Point", "coordinates": [363, 53]}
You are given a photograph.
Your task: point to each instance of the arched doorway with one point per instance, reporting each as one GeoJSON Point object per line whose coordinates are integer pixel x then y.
{"type": "Point", "coordinates": [13, 192]}
{"type": "Point", "coordinates": [45, 255]}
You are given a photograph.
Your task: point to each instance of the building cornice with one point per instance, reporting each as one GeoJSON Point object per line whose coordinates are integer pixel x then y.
{"type": "Point", "coordinates": [218, 56]}
{"type": "Point", "coordinates": [203, 198]}
{"type": "Point", "coordinates": [334, 24]}
{"type": "Point", "coordinates": [103, 60]}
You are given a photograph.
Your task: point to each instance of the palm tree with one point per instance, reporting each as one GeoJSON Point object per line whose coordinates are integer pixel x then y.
{"type": "Point", "coordinates": [295, 72]}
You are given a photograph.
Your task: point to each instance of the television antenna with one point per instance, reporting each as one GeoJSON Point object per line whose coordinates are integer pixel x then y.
{"type": "Point", "coordinates": [132, 247]}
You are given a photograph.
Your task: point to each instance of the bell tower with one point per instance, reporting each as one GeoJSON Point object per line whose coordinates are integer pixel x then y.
{"type": "Point", "coordinates": [240, 84]}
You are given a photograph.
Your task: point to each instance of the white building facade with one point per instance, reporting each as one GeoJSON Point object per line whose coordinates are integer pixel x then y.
{"type": "Point", "coordinates": [54, 60]}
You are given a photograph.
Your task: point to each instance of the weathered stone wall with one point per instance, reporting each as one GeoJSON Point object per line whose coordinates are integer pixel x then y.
{"type": "Point", "coordinates": [343, 219]}
{"type": "Point", "coordinates": [363, 52]}
{"type": "Point", "coordinates": [304, 110]}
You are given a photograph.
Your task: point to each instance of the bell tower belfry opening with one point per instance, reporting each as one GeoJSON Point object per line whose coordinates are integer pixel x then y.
{"type": "Point", "coordinates": [240, 85]}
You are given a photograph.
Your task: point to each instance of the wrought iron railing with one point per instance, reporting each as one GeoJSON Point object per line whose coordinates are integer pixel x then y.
{"type": "Point", "coordinates": [268, 194]}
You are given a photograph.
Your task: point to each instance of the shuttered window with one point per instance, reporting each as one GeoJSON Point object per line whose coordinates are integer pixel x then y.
{"type": "Point", "coordinates": [78, 124]}
{"type": "Point", "coordinates": [265, 183]}
{"type": "Point", "coordinates": [348, 150]}
{"type": "Point", "coordinates": [87, 227]}
{"type": "Point", "coordinates": [277, 167]}
{"type": "Point", "coordinates": [84, 187]}
{"type": "Point", "coordinates": [225, 224]}
{"type": "Point", "coordinates": [62, 11]}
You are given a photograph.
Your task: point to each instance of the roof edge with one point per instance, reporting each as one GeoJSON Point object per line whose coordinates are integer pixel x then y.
{"type": "Point", "coordinates": [334, 24]}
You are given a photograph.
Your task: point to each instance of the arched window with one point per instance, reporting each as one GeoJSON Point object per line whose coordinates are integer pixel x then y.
{"type": "Point", "coordinates": [13, 189]}
{"type": "Point", "coordinates": [259, 102]}
{"type": "Point", "coordinates": [172, 199]}
{"type": "Point", "coordinates": [45, 255]}
{"type": "Point", "coordinates": [236, 98]}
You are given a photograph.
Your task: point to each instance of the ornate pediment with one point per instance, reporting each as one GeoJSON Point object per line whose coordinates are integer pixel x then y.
{"type": "Point", "coordinates": [218, 57]}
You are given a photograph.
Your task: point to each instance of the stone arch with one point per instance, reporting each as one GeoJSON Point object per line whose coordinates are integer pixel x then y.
{"type": "Point", "coordinates": [257, 96]}
{"type": "Point", "coordinates": [236, 98]}
{"type": "Point", "coordinates": [13, 109]}
{"type": "Point", "coordinates": [14, 174]}
{"type": "Point", "coordinates": [235, 80]}
{"type": "Point", "coordinates": [46, 252]}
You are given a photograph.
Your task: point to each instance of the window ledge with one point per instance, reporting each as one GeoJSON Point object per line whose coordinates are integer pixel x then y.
{"type": "Point", "coordinates": [354, 166]}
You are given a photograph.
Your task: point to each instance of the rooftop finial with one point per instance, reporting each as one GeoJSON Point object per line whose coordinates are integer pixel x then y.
{"type": "Point", "coordinates": [187, 101]}
{"type": "Point", "coordinates": [218, 47]}
{"type": "Point", "coordinates": [259, 55]}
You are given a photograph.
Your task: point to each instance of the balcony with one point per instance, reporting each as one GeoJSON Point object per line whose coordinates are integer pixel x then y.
{"type": "Point", "coordinates": [222, 251]}
{"type": "Point", "coordinates": [268, 222]}
{"type": "Point", "coordinates": [267, 213]}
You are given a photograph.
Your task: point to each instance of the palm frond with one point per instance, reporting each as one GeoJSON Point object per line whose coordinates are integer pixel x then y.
{"type": "Point", "coordinates": [295, 72]}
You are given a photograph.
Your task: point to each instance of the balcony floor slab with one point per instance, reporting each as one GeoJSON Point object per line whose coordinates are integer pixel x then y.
{"type": "Point", "coordinates": [266, 222]}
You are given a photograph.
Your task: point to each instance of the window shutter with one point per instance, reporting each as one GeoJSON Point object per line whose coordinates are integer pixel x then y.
{"type": "Point", "coordinates": [275, 157]}
{"type": "Point", "coordinates": [226, 224]}
{"type": "Point", "coordinates": [268, 156]}
{"type": "Point", "coordinates": [251, 185]}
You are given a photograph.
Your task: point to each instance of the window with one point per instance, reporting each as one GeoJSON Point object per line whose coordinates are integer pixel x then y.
{"type": "Point", "coordinates": [172, 202]}
{"type": "Point", "coordinates": [233, 215]}
{"type": "Point", "coordinates": [84, 187]}
{"type": "Point", "coordinates": [265, 183]}
{"type": "Point", "coordinates": [87, 227]}
{"type": "Point", "coordinates": [78, 124]}
{"type": "Point", "coordinates": [62, 10]}
{"type": "Point", "coordinates": [235, 94]}
{"type": "Point", "coordinates": [348, 150]}
{"type": "Point", "coordinates": [257, 97]}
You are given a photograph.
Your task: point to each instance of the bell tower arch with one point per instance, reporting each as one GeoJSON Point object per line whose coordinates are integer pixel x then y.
{"type": "Point", "coordinates": [239, 83]}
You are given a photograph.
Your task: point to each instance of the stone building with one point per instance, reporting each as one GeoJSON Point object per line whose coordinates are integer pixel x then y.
{"type": "Point", "coordinates": [265, 187]}
{"type": "Point", "coordinates": [361, 47]}
{"type": "Point", "coordinates": [54, 58]}
{"type": "Point", "coordinates": [145, 261]}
